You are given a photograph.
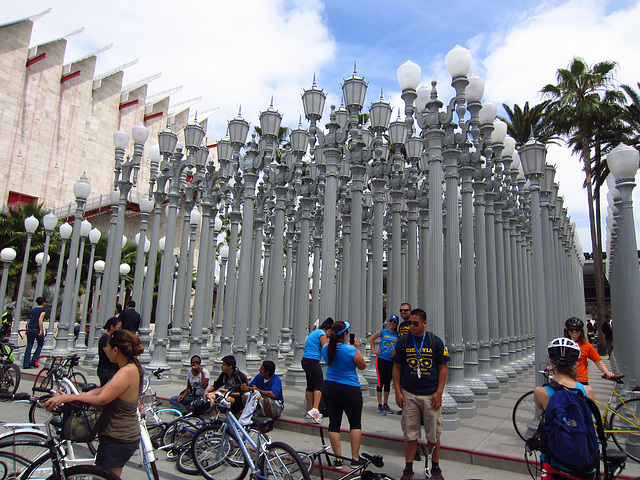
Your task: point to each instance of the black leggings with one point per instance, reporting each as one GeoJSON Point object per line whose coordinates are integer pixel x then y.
{"type": "Point", "coordinates": [339, 398]}
{"type": "Point", "coordinates": [385, 372]}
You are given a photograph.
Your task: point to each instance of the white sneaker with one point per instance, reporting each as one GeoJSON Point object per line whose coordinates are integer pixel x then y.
{"type": "Point", "coordinates": [309, 414]}
{"type": "Point", "coordinates": [317, 416]}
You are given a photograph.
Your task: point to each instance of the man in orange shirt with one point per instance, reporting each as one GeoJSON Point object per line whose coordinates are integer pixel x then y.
{"type": "Point", "coordinates": [574, 329]}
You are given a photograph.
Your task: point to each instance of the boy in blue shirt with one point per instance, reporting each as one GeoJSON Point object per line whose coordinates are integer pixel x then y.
{"type": "Point", "coordinates": [269, 386]}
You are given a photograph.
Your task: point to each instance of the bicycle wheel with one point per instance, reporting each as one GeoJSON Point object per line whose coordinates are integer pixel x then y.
{"type": "Point", "coordinates": [156, 432]}
{"type": "Point", "coordinates": [210, 448]}
{"type": "Point", "coordinates": [37, 453]}
{"type": "Point", "coordinates": [23, 434]}
{"type": "Point", "coordinates": [10, 379]}
{"type": "Point", "coordinates": [307, 460]}
{"type": "Point", "coordinates": [185, 463]}
{"type": "Point", "coordinates": [237, 456]}
{"type": "Point", "coordinates": [625, 428]}
{"type": "Point", "coordinates": [78, 378]}
{"type": "Point", "coordinates": [152, 470]}
{"type": "Point", "coordinates": [281, 462]}
{"type": "Point", "coordinates": [12, 465]}
{"type": "Point", "coordinates": [179, 432]}
{"type": "Point", "coordinates": [164, 415]}
{"type": "Point", "coordinates": [87, 472]}
{"type": "Point", "coordinates": [525, 416]}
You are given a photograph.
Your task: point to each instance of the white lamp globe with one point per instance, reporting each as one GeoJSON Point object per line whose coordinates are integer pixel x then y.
{"type": "Point", "coordinates": [458, 61]}
{"type": "Point", "coordinates": [409, 75]}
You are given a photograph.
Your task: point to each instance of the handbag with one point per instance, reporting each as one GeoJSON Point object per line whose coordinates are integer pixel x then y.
{"type": "Point", "coordinates": [80, 421]}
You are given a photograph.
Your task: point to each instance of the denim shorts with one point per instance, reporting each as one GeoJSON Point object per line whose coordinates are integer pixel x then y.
{"type": "Point", "coordinates": [113, 453]}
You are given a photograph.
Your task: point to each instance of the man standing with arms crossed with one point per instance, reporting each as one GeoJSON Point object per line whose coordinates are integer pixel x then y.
{"type": "Point", "coordinates": [405, 311]}
{"type": "Point", "coordinates": [419, 376]}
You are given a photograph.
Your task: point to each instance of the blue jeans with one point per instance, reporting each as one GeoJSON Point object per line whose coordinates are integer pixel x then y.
{"type": "Point", "coordinates": [33, 334]}
{"type": "Point", "coordinates": [186, 401]}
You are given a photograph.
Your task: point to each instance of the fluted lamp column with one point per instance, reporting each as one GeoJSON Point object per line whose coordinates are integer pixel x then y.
{"type": "Point", "coordinates": [124, 271]}
{"type": "Point", "coordinates": [30, 225]}
{"type": "Point", "coordinates": [49, 221]}
{"type": "Point", "coordinates": [7, 255]}
{"type": "Point", "coordinates": [94, 238]}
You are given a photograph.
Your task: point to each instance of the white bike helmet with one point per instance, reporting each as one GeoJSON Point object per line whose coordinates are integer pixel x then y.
{"type": "Point", "coordinates": [563, 351]}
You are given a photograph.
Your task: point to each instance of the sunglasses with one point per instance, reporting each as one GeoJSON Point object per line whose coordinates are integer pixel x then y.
{"type": "Point", "coordinates": [393, 321]}
{"type": "Point", "coordinates": [415, 323]}
{"type": "Point", "coordinates": [195, 363]}
{"type": "Point", "coordinates": [402, 310]}
{"type": "Point", "coordinates": [574, 329]}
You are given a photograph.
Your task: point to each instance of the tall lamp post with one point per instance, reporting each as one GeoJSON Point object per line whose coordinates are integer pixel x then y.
{"type": "Point", "coordinates": [81, 190]}
{"type": "Point", "coordinates": [65, 231]}
{"type": "Point", "coordinates": [125, 268]}
{"type": "Point", "coordinates": [30, 225]}
{"type": "Point", "coordinates": [94, 238]}
{"type": "Point", "coordinates": [146, 207]}
{"type": "Point", "coordinates": [532, 156]}
{"type": "Point", "coordinates": [623, 164]}
{"type": "Point", "coordinates": [85, 228]}
{"type": "Point", "coordinates": [8, 255]}
{"type": "Point", "coordinates": [49, 221]}
{"type": "Point", "coordinates": [94, 330]}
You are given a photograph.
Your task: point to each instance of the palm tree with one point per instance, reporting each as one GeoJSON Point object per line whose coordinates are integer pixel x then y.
{"type": "Point", "coordinates": [632, 110]}
{"type": "Point", "coordinates": [583, 102]}
{"type": "Point", "coordinates": [528, 122]}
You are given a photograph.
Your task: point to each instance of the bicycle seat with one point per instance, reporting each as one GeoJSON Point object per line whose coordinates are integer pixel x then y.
{"type": "Point", "coordinates": [265, 424]}
{"type": "Point", "coordinates": [85, 387]}
{"type": "Point", "coordinates": [616, 378]}
{"type": "Point", "coordinates": [375, 459]}
{"type": "Point", "coordinates": [615, 461]}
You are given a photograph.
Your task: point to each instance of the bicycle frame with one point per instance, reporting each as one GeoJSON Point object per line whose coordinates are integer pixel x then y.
{"type": "Point", "coordinates": [240, 433]}
{"type": "Point", "coordinates": [146, 446]}
{"type": "Point", "coordinates": [608, 409]}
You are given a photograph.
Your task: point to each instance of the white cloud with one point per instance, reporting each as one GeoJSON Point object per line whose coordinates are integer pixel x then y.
{"type": "Point", "coordinates": [527, 56]}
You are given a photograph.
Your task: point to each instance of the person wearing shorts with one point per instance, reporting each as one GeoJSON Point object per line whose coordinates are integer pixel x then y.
{"type": "Point", "coordinates": [419, 376]}
{"type": "Point", "coordinates": [384, 366]}
{"type": "Point", "coordinates": [312, 369]}
{"type": "Point", "coordinates": [269, 386]}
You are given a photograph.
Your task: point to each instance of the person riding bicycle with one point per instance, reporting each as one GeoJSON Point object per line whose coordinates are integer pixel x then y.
{"type": "Point", "coordinates": [564, 355]}
{"type": "Point", "coordinates": [574, 329]}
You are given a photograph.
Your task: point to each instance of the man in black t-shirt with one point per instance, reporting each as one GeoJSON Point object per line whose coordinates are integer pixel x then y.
{"type": "Point", "coordinates": [419, 376]}
{"type": "Point", "coordinates": [403, 328]}
{"type": "Point", "coordinates": [229, 378]}
{"type": "Point", "coordinates": [130, 318]}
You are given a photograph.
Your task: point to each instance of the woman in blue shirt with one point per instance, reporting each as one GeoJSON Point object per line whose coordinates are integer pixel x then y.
{"type": "Point", "coordinates": [341, 391]}
{"type": "Point", "coordinates": [384, 366]}
{"type": "Point", "coordinates": [312, 369]}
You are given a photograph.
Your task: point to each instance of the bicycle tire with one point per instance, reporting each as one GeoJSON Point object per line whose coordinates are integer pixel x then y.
{"type": "Point", "coordinates": [78, 378]}
{"type": "Point", "coordinates": [280, 461]}
{"type": "Point", "coordinates": [210, 448]}
{"type": "Point", "coordinates": [12, 465]}
{"type": "Point", "coordinates": [10, 379]}
{"type": "Point", "coordinates": [156, 432]}
{"type": "Point", "coordinates": [23, 434]}
{"type": "Point", "coordinates": [307, 460]}
{"type": "Point", "coordinates": [180, 431]}
{"type": "Point", "coordinates": [524, 413]}
{"type": "Point", "coordinates": [153, 468]}
{"type": "Point", "coordinates": [39, 456]}
{"type": "Point", "coordinates": [87, 472]}
{"type": "Point", "coordinates": [622, 430]}
{"type": "Point", "coordinates": [185, 463]}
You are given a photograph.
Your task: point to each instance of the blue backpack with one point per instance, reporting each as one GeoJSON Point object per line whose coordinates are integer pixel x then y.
{"type": "Point", "coordinates": [571, 437]}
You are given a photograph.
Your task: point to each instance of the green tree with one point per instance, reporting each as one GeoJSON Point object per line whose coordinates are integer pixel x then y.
{"type": "Point", "coordinates": [528, 122]}
{"type": "Point", "coordinates": [632, 110]}
{"type": "Point", "coordinates": [583, 102]}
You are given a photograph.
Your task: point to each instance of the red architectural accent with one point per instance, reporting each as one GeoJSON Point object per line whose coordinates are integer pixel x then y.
{"type": "Point", "coordinates": [35, 59]}
{"type": "Point", "coordinates": [70, 76]}
{"type": "Point", "coordinates": [128, 104]}
{"type": "Point", "coordinates": [17, 199]}
{"type": "Point", "coordinates": [213, 145]}
{"type": "Point", "coordinates": [153, 115]}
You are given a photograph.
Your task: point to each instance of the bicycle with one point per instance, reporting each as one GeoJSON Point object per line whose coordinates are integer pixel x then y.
{"type": "Point", "coordinates": [228, 452]}
{"type": "Point", "coordinates": [9, 372]}
{"type": "Point", "coordinates": [359, 472]}
{"type": "Point", "coordinates": [622, 423]}
{"type": "Point", "coordinates": [44, 378]}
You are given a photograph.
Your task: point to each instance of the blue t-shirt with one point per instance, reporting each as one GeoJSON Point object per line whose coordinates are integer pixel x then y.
{"type": "Point", "coordinates": [34, 316]}
{"type": "Point", "coordinates": [312, 345]}
{"type": "Point", "coordinates": [388, 342]}
{"type": "Point", "coordinates": [428, 360]}
{"type": "Point", "coordinates": [274, 384]}
{"type": "Point", "coordinates": [343, 369]}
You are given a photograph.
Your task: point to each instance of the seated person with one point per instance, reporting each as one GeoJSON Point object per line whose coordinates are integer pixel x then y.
{"type": "Point", "coordinates": [269, 386]}
{"type": "Point", "coordinates": [197, 382]}
{"type": "Point", "coordinates": [229, 378]}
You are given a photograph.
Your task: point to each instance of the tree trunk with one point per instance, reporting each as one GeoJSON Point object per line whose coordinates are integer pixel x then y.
{"type": "Point", "coordinates": [598, 269]}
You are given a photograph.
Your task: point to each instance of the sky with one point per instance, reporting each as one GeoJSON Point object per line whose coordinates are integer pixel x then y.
{"type": "Point", "coordinates": [241, 54]}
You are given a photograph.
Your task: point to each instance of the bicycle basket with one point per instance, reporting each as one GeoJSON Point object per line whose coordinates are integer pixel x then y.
{"type": "Point", "coordinates": [80, 421]}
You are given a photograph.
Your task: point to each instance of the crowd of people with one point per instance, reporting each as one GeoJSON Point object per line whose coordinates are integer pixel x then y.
{"type": "Point", "coordinates": [406, 353]}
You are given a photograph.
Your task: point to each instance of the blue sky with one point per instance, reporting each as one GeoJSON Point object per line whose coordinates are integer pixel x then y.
{"type": "Point", "coordinates": [244, 52]}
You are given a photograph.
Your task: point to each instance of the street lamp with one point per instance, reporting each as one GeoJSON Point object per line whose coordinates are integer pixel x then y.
{"type": "Point", "coordinates": [81, 190]}
{"type": "Point", "coordinates": [146, 207]}
{"type": "Point", "coordinates": [85, 228]}
{"type": "Point", "coordinates": [94, 238]}
{"type": "Point", "coordinates": [49, 221]}
{"type": "Point", "coordinates": [94, 329]}
{"type": "Point", "coordinates": [30, 225]}
{"type": "Point", "coordinates": [7, 255]}
{"type": "Point", "coordinates": [65, 231]}
{"type": "Point", "coordinates": [124, 271]}
{"type": "Point", "coordinates": [623, 164]}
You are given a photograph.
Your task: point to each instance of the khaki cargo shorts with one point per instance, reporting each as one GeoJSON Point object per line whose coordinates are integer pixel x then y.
{"type": "Point", "coordinates": [417, 408]}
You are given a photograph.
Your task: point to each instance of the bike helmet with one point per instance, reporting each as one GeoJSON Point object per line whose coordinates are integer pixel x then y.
{"type": "Point", "coordinates": [573, 322]}
{"type": "Point", "coordinates": [563, 351]}
{"type": "Point", "coordinates": [200, 406]}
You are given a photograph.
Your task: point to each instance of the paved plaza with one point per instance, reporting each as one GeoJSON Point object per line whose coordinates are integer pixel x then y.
{"type": "Point", "coordinates": [484, 447]}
